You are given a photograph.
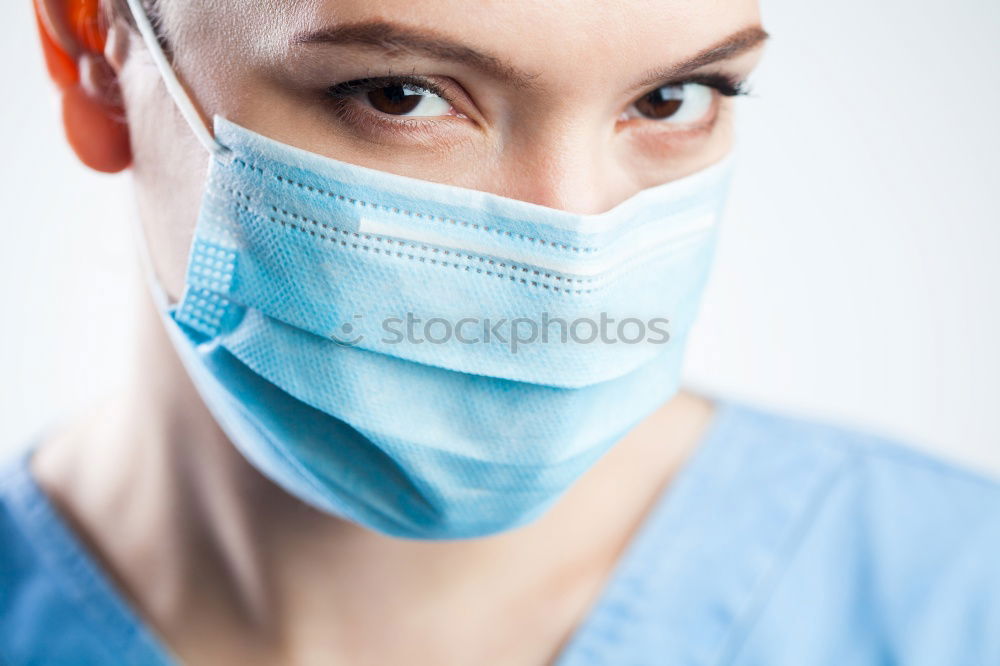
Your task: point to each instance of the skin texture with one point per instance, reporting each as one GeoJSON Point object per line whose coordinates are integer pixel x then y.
{"type": "Point", "coordinates": [226, 567]}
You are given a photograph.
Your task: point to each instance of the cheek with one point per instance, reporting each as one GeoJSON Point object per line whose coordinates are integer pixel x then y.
{"type": "Point", "coordinates": [169, 171]}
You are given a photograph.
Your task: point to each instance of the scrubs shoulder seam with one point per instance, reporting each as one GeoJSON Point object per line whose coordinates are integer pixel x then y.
{"type": "Point", "coordinates": [889, 450]}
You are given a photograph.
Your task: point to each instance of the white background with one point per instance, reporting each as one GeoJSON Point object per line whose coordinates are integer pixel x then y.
{"type": "Point", "coordinates": [857, 279]}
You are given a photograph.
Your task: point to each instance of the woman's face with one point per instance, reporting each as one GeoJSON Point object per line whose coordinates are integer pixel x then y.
{"type": "Point", "coordinates": [572, 104]}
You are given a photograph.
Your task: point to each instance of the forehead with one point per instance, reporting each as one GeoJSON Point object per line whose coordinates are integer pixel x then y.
{"type": "Point", "coordinates": [551, 38]}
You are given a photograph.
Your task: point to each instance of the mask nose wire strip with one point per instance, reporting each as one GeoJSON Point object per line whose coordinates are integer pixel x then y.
{"type": "Point", "coordinates": [172, 83]}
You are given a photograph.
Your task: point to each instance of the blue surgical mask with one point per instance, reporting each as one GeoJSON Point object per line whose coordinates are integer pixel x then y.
{"type": "Point", "coordinates": [426, 360]}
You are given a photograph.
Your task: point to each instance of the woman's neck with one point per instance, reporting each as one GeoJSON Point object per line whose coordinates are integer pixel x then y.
{"type": "Point", "coordinates": [226, 566]}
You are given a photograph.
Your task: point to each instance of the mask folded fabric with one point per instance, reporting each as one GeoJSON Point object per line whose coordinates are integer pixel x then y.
{"type": "Point", "coordinates": [426, 360]}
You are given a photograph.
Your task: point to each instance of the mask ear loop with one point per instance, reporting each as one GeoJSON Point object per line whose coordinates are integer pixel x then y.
{"type": "Point", "coordinates": [194, 120]}
{"type": "Point", "coordinates": [174, 87]}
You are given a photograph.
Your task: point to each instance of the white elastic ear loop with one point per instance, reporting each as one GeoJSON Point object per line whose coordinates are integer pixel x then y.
{"type": "Point", "coordinates": [170, 80]}
{"type": "Point", "coordinates": [160, 299]}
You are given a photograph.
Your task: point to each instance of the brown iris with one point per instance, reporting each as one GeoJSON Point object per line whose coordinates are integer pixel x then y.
{"type": "Point", "coordinates": [661, 103]}
{"type": "Point", "coordinates": [395, 100]}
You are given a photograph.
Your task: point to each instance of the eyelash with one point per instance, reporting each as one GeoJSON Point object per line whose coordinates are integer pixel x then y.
{"type": "Point", "coordinates": [343, 93]}
{"type": "Point", "coordinates": [727, 86]}
{"type": "Point", "coordinates": [349, 89]}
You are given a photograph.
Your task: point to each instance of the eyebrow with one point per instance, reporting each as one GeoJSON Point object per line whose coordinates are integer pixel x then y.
{"type": "Point", "coordinates": [400, 40]}
{"type": "Point", "coordinates": [736, 44]}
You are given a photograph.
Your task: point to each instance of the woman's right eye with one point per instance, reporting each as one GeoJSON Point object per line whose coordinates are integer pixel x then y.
{"type": "Point", "coordinates": [394, 98]}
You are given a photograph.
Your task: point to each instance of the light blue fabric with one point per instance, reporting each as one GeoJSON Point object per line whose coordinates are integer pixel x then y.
{"type": "Point", "coordinates": [432, 436]}
{"type": "Point", "coordinates": [781, 543]}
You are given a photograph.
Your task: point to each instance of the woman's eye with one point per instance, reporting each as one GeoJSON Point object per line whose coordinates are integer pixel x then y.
{"type": "Point", "coordinates": [406, 100]}
{"type": "Point", "coordinates": [679, 104]}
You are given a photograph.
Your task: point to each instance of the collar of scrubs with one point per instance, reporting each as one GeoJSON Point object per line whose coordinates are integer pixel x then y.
{"type": "Point", "coordinates": [684, 591]}
{"type": "Point", "coordinates": [692, 579]}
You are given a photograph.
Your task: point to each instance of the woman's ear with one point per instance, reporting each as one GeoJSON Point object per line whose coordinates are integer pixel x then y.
{"type": "Point", "coordinates": [82, 62]}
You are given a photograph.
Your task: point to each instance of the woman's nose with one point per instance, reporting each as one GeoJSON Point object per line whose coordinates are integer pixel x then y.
{"type": "Point", "coordinates": [571, 172]}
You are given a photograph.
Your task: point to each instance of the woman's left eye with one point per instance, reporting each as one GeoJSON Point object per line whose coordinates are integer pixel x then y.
{"type": "Point", "coordinates": [675, 104]}
{"type": "Point", "coordinates": [395, 98]}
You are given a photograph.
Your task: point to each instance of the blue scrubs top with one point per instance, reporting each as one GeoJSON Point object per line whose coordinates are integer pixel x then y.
{"type": "Point", "coordinates": [780, 543]}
